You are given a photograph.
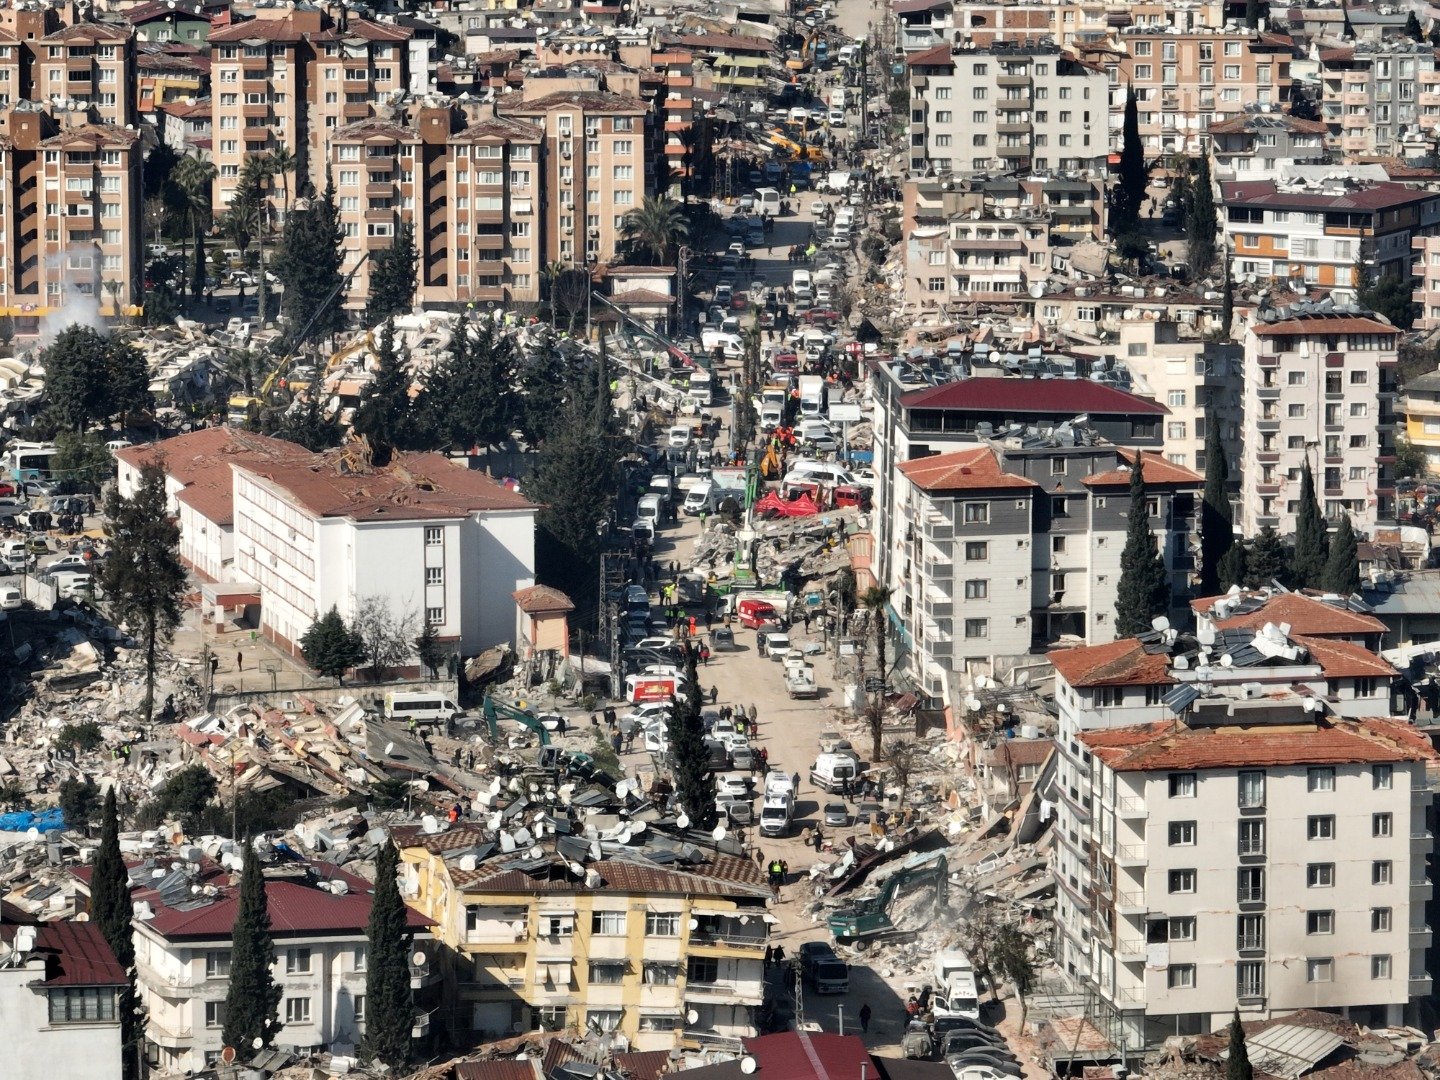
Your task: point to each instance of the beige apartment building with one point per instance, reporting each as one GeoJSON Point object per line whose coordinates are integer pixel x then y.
{"type": "Point", "coordinates": [1185, 80]}
{"type": "Point", "coordinates": [1320, 386]}
{"type": "Point", "coordinates": [987, 255]}
{"type": "Point", "coordinates": [1259, 145]}
{"type": "Point", "coordinates": [1369, 94]}
{"type": "Point", "coordinates": [923, 24]}
{"type": "Point", "coordinates": [1005, 107]}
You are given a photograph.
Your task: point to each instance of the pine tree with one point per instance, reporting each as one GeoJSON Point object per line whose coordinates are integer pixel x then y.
{"type": "Point", "coordinates": [1144, 589]}
{"type": "Point", "coordinates": [1342, 563]}
{"type": "Point", "coordinates": [252, 1004]}
{"type": "Point", "coordinates": [547, 383]}
{"type": "Point", "coordinates": [1217, 529]}
{"type": "Point", "coordinates": [1237, 1061]}
{"type": "Point", "coordinates": [305, 423]}
{"type": "Point", "coordinates": [1412, 27]}
{"type": "Point", "coordinates": [110, 910]}
{"type": "Point", "coordinates": [308, 264]}
{"type": "Point", "coordinates": [470, 398]}
{"type": "Point", "coordinates": [389, 1008]}
{"type": "Point", "coordinates": [384, 416]}
{"type": "Point", "coordinates": [1308, 567]}
{"type": "Point", "coordinates": [144, 577]}
{"type": "Point", "coordinates": [91, 377]}
{"type": "Point", "coordinates": [392, 278]}
{"type": "Point", "coordinates": [1227, 304]}
{"type": "Point", "coordinates": [689, 760]}
{"type": "Point", "coordinates": [1202, 224]}
{"type": "Point", "coordinates": [1232, 568]}
{"type": "Point", "coordinates": [1266, 559]}
{"type": "Point", "coordinates": [331, 647]}
{"type": "Point", "coordinates": [1129, 191]}
{"type": "Point", "coordinates": [432, 652]}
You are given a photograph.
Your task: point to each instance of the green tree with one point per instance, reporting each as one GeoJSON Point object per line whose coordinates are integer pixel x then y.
{"type": "Point", "coordinates": [143, 576]}
{"type": "Point", "coordinates": [1342, 562]}
{"type": "Point", "coordinates": [80, 461]}
{"type": "Point", "coordinates": [1237, 1061]}
{"type": "Point", "coordinates": [331, 647]}
{"type": "Point", "coordinates": [1255, 10]}
{"type": "Point", "coordinates": [470, 398]}
{"type": "Point", "coordinates": [283, 163]}
{"type": "Point", "coordinates": [1311, 544]}
{"type": "Point", "coordinates": [82, 737]}
{"type": "Point", "coordinates": [252, 1002]}
{"type": "Point", "coordinates": [1412, 28]}
{"type": "Point", "coordinates": [431, 650]}
{"type": "Point", "coordinates": [186, 793]}
{"type": "Point", "coordinates": [1217, 526]}
{"type": "Point", "coordinates": [110, 910]}
{"type": "Point", "coordinates": [385, 636]}
{"type": "Point", "coordinates": [1010, 959]}
{"type": "Point", "coordinates": [1144, 588]}
{"type": "Point", "coordinates": [305, 422]}
{"type": "Point", "coordinates": [1132, 247]}
{"type": "Point", "coordinates": [876, 600]}
{"type": "Point", "coordinates": [546, 386]}
{"type": "Point", "coordinates": [1391, 296]}
{"type": "Point", "coordinates": [389, 1009]}
{"type": "Point", "coordinates": [384, 416]}
{"type": "Point", "coordinates": [689, 760]}
{"type": "Point", "coordinates": [308, 265]}
{"type": "Point", "coordinates": [193, 178]}
{"type": "Point", "coordinates": [1232, 567]}
{"type": "Point", "coordinates": [392, 278]}
{"type": "Point", "coordinates": [90, 377]}
{"type": "Point", "coordinates": [1410, 460]}
{"type": "Point", "coordinates": [1202, 223]}
{"type": "Point", "coordinates": [1129, 192]}
{"type": "Point", "coordinates": [654, 230]}
{"type": "Point", "coordinates": [1435, 32]}
{"type": "Point", "coordinates": [79, 803]}
{"type": "Point", "coordinates": [1266, 560]}
{"type": "Point", "coordinates": [1227, 304]}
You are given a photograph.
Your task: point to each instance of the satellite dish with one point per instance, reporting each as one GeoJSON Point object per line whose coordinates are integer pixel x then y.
{"type": "Point", "coordinates": [430, 823]}
{"type": "Point", "coordinates": [1037, 290]}
{"type": "Point", "coordinates": [692, 1017]}
{"type": "Point", "coordinates": [419, 958]}
{"type": "Point", "coordinates": [257, 1042]}
{"type": "Point", "coordinates": [32, 834]}
{"type": "Point", "coordinates": [389, 748]}
{"type": "Point", "coordinates": [536, 852]}
{"type": "Point", "coordinates": [622, 789]}
{"type": "Point", "coordinates": [495, 786]}
{"type": "Point", "coordinates": [683, 821]}
{"type": "Point", "coordinates": [227, 1055]}
{"type": "Point", "coordinates": [719, 833]}
{"type": "Point", "coordinates": [748, 1065]}
{"type": "Point", "coordinates": [694, 924]}
{"type": "Point", "coordinates": [636, 828]}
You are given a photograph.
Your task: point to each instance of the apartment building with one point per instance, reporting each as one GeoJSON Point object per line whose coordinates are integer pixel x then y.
{"type": "Point", "coordinates": [986, 256]}
{"type": "Point", "coordinates": [1421, 408]}
{"type": "Point", "coordinates": [1071, 207]}
{"type": "Point", "coordinates": [1005, 107]}
{"type": "Point", "coordinates": [185, 915]}
{"type": "Point", "coordinates": [1368, 94]}
{"type": "Point", "coordinates": [1319, 385]}
{"type": "Point", "coordinates": [1015, 544]}
{"type": "Point", "coordinates": [1186, 79]}
{"type": "Point", "coordinates": [666, 953]}
{"type": "Point", "coordinates": [1427, 282]}
{"type": "Point", "coordinates": [87, 64]}
{"type": "Point", "coordinates": [176, 77]}
{"type": "Point", "coordinates": [923, 24]}
{"type": "Point", "coordinates": [1317, 226]}
{"type": "Point", "coordinates": [593, 170]}
{"type": "Point", "coordinates": [59, 996]}
{"type": "Point", "coordinates": [1260, 145]}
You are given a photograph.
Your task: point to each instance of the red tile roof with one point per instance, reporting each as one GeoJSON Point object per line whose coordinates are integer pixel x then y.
{"type": "Point", "coordinates": [1321, 324]}
{"type": "Point", "coordinates": [284, 31]}
{"type": "Point", "coordinates": [977, 469]}
{"type": "Point", "coordinates": [498, 1070]}
{"type": "Point", "coordinates": [1123, 662]}
{"type": "Point", "coordinates": [723, 876]}
{"type": "Point", "coordinates": [1305, 614]}
{"type": "Point", "coordinates": [1326, 741]}
{"type": "Point", "coordinates": [1158, 470]}
{"type": "Point", "coordinates": [1380, 196]}
{"type": "Point", "coordinates": [1344, 659]}
{"type": "Point", "coordinates": [801, 1055]}
{"type": "Point", "coordinates": [541, 599]}
{"type": "Point", "coordinates": [76, 954]}
{"type": "Point", "coordinates": [590, 101]}
{"type": "Point", "coordinates": [1262, 122]}
{"type": "Point", "coordinates": [644, 1064]}
{"type": "Point", "coordinates": [1063, 397]}
{"type": "Point", "coordinates": [939, 56]}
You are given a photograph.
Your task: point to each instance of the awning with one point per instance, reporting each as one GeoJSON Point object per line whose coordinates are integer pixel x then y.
{"type": "Point", "coordinates": [714, 911]}
{"type": "Point", "coordinates": [607, 962]}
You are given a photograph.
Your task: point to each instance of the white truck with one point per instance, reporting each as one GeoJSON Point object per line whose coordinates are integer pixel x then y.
{"type": "Point", "coordinates": [956, 992]}
{"type": "Point", "coordinates": [812, 396]}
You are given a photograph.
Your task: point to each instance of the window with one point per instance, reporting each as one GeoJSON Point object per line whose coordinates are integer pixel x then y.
{"type": "Point", "coordinates": [1250, 932]}
{"type": "Point", "coordinates": [214, 1014]}
{"type": "Point", "coordinates": [607, 973]}
{"type": "Point", "coordinates": [1319, 970]}
{"type": "Point", "coordinates": [1180, 976]}
{"type": "Point", "coordinates": [81, 1004]}
{"type": "Point", "coordinates": [704, 969]}
{"type": "Point", "coordinates": [432, 537]}
{"type": "Point", "coordinates": [1057, 466]}
{"type": "Point", "coordinates": [662, 924]}
{"type": "Point", "coordinates": [1380, 920]}
{"type": "Point", "coordinates": [977, 589]}
{"type": "Point", "coordinates": [1176, 399]}
{"type": "Point", "coordinates": [434, 575]}
{"type": "Point", "coordinates": [297, 961]}
{"type": "Point", "coordinates": [1106, 697]}
{"type": "Point", "coordinates": [1250, 884]}
{"type": "Point", "coordinates": [977, 551]}
{"type": "Point", "coordinates": [434, 615]}
{"type": "Point", "coordinates": [1252, 837]}
{"type": "Point", "coordinates": [1182, 881]}
{"type": "Point", "coordinates": [661, 974]}
{"type": "Point", "coordinates": [977, 628]}
{"type": "Point", "coordinates": [977, 512]}
{"type": "Point", "coordinates": [297, 1010]}
{"type": "Point", "coordinates": [1320, 827]}
{"type": "Point", "coordinates": [359, 1008]}
{"type": "Point", "coordinates": [608, 923]}
{"type": "Point", "coordinates": [362, 952]}
{"type": "Point", "coordinates": [1322, 779]}
{"type": "Point", "coordinates": [1380, 967]}
{"type": "Point", "coordinates": [1181, 928]}
{"type": "Point", "coordinates": [1182, 785]}
{"type": "Point", "coordinates": [217, 964]}
{"type": "Point", "coordinates": [557, 925]}
{"type": "Point", "coordinates": [1320, 875]}
{"type": "Point", "coordinates": [1182, 834]}
{"type": "Point", "coordinates": [1382, 825]}
{"type": "Point", "coordinates": [1250, 979]}
{"type": "Point", "coordinates": [1382, 872]}
{"type": "Point", "coordinates": [1252, 789]}
{"type": "Point", "coordinates": [1319, 922]}
{"type": "Point", "coordinates": [1382, 777]}
{"type": "Point", "coordinates": [603, 1019]}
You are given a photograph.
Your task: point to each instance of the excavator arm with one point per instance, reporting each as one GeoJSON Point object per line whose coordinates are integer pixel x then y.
{"type": "Point", "coordinates": [494, 709]}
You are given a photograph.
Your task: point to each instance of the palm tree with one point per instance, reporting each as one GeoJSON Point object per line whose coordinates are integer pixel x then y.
{"type": "Point", "coordinates": [656, 228]}
{"type": "Point", "coordinates": [875, 600]}
{"type": "Point", "coordinates": [552, 273]}
{"type": "Point", "coordinates": [250, 199]}
{"type": "Point", "coordinates": [283, 161]}
{"type": "Point", "coordinates": [194, 176]}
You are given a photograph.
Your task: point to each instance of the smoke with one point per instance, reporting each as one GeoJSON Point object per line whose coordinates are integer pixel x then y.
{"type": "Point", "coordinates": [78, 307]}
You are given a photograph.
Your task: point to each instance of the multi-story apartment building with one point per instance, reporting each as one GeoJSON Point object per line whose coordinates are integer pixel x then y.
{"type": "Point", "coordinates": [1368, 94]}
{"type": "Point", "coordinates": [1073, 209]}
{"type": "Point", "coordinates": [1427, 282]}
{"type": "Point", "coordinates": [1005, 107]}
{"type": "Point", "coordinates": [923, 24]}
{"type": "Point", "coordinates": [1319, 385]}
{"type": "Point", "coordinates": [1259, 145]}
{"type": "Point", "coordinates": [1233, 830]}
{"type": "Point", "coordinates": [1318, 226]}
{"type": "Point", "coordinates": [88, 64]}
{"type": "Point", "coordinates": [1186, 79]}
{"type": "Point", "coordinates": [593, 170]}
{"type": "Point", "coordinates": [1421, 408]}
{"type": "Point", "coordinates": [986, 255]}
{"type": "Point", "coordinates": [318, 918]}
{"type": "Point", "coordinates": [1015, 544]}
{"type": "Point", "coordinates": [666, 955]}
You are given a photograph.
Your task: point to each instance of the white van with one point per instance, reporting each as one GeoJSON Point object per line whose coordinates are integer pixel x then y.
{"type": "Point", "coordinates": [802, 285]}
{"type": "Point", "coordinates": [10, 599]}
{"type": "Point", "coordinates": [776, 815]}
{"type": "Point", "coordinates": [649, 510]}
{"type": "Point", "coordinates": [822, 472]}
{"type": "Point", "coordinates": [73, 585]}
{"type": "Point", "coordinates": [836, 117]}
{"type": "Point", "coordinates": [830, 771]}
{"type": "Point", "coordinates": [700, 498]}
{"type": "Point", "coordinates": [837, 98]}
{"type": "Point", "coordinates": [767, 202]}
{"type": "Point", "coordinates": [422, 706]}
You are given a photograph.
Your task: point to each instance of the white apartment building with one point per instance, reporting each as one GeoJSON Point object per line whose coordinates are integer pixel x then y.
{"type": "Point", "coordinates": [1368, 94]}
{"type": "Point", "coordinates": [1319, 383]}
{"type": "Point", "coordinates": [1006, 107]}
{"type": "Point", "coordinates": [1261, 145]}
{"type": "Point", "coordinates": [1228, 836]}
{"type": "Point", "coordinates": [988, 256]}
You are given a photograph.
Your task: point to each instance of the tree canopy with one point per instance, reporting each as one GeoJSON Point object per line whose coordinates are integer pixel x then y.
{"type": "Point", "coordinates": [308, 264]}
{"type": "Point", "coordinates": [1144, 588]}
{"type": "Point", "coordinates": [331, 647]}
{"type": "Point", "coordinates": [1311, 542]}
{"type": "Point", "coordinates": [1134, 175]}
{"type": "Point", "coordinates": [392, 278]}
{"type": "Point", "coordinates": [1342, 561]}
{"type": "Point", "coordinates": [1217, 528]}
{"type": "Point", "coordinates": [90, 377]}
{"type": "Point", "coordinates": [389, 1012]}
{"type": "Point", "coordinates": [655, 230]}
{"type": "Point", "coordinates": [252, 1003]}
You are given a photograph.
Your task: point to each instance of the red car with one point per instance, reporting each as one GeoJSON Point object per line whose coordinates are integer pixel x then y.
{"type": "Point", "coordinates": [756, 613]}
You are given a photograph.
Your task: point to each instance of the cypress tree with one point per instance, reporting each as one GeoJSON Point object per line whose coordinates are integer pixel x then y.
{"type": "Point", "coordinates": [1266, 559]}
{"type": "Point", "coordinates": [309, 265]}
{"type": "Point", "coordinates": [689, 760]}
{"type": "Point", "coordinates": [384, 415]}
{"type": "Point", "coordinates": [1232, 567]}
{"type": "Point", "coordinates": [1217, 530]}
{"type": "Point", "coordinates": [111, 911]}
{"type": "Point", "coordinates": [1308, 566]}
{"type": "Point", "coordinates": [1227, 304]}
{"type": "Point", "coordinates": [1202, 224]}
{"type": "Point", "coordinates": [389, 1008]}
{"type": "Point", "coordinates": [1237, 1061]}
{"type": "Point", "coordinates": [1134, 176]}
{"type": "Point", "coordinates": [1144, 589]}
{"type": "Point", "coordinates": [331, 647]}
{"type": "Point", "coordinates": [392, 278]}
{"type": "Point", "coordinates": [252, 1004]}
{"type": "Point", "coordinates": [1342, 564]}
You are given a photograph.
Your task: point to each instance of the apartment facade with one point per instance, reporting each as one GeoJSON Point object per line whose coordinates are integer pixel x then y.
{"type": "Point", "coordinates": [984, 256]}
{"type": "Point", "coordinates": [1427, 282]}
{"type": "Point", "coordinates": [1260, 145]}
{"type": "Point", "coordinates": [923, 24]}
{"type": "Point", "coordinates": [1005, 107]}
{"type": "Point", "coordinates": [1003, 549]}
{"type": "Point", "coordinates": [1421, 408]}
{"type": "Point", "coordinates": [666, 955]}
{"type": "Point", "coordinates": [1369, 94]}
{"type": "Point", "coordinates": [1319, 385]}
{"type": "Point", "coordinates": [87, 64]}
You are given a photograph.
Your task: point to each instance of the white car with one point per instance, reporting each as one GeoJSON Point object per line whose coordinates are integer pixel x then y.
{"type": "Point", "coordinates": [733, 784]}
{"type": "Point", "coordinates": [818, 207]}
{"type": "Point", "coordinates": [649, 712]}
{"type": "Point", "coordinates": [678, 437]}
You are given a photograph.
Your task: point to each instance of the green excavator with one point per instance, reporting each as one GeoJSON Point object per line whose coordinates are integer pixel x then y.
{"type": "Point", "coordinates": [869, 920]}
{"type": "Point", "coordinates": [495, 709]}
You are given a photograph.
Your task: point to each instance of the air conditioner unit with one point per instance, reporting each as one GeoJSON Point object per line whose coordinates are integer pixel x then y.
{"type": "Point", "coordinates": [592, 129]}
{"type": "Point", "coordinates": [594, 232]}
{"type": "Point", "coordinates": [567, 181]}
{"type": "Point", "coordinates": [566, 154]}
{"type": "Point", "coordinates": [569, 230]}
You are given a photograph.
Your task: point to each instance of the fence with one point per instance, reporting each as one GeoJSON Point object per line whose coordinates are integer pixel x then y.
{"type": "Point", "coordinates": [325, 691]}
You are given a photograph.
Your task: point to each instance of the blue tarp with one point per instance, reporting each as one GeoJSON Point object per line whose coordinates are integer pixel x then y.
{"type": "Point", "coordinates": [24, 820]}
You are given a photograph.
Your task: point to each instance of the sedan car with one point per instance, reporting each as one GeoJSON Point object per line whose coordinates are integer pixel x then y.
{"type": "Point", "coordinates": [836, 815]}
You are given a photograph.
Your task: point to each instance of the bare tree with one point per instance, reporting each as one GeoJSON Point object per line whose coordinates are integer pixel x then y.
{"type": "Point", "coordinates": [902, 755]}
{"type": "Point", "coordinates": [387, 639]}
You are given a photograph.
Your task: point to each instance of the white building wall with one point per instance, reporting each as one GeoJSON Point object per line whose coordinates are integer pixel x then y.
{"type": "Point", "coordinates": [35, 1049]}
{"type": "Point", "coordinates": [208, 547]}
{"type": "Point", "coordinates": [497, 553]}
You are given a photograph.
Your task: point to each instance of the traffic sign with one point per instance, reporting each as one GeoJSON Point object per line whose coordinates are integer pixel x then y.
{"type": "Point", "coordinates": [874, 685]}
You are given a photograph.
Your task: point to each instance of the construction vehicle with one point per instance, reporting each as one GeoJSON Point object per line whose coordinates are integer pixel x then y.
{"type": "Point", "coordinates": [869, 920]}
{"type": "Point", "coordinates": [494, 709]}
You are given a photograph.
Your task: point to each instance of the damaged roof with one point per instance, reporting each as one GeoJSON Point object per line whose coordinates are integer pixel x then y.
{"type": "Point", "coordinates": [1308, 615]}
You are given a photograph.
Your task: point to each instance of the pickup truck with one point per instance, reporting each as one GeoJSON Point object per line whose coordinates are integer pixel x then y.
{"type": "Point", "coordinates": [800, 681]}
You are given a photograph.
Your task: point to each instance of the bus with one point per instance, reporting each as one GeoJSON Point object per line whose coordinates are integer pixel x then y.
{"type": "Point", "coordinates": [29, 461]}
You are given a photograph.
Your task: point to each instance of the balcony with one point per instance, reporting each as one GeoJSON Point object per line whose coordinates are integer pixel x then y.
{"type": "Point", "coordinates": [727, 939]}
{"type": "Point", "coordinates": [1131, 808]}
{"type": "Point", "coordinates": [1250, 944]}
{"type": "Point", "coordinates": [1131, 855]}
{"type": "Point", "coordinates": [1131, 949]}
{"type": "Point", "coordinates": [1268, 393]}
{"type": "Point", "coordinates": [1248, 896]}
{"type": "Point", "coordinates": [1131, 903]}
{"type": "Point", "coordinates": [741, 993]}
